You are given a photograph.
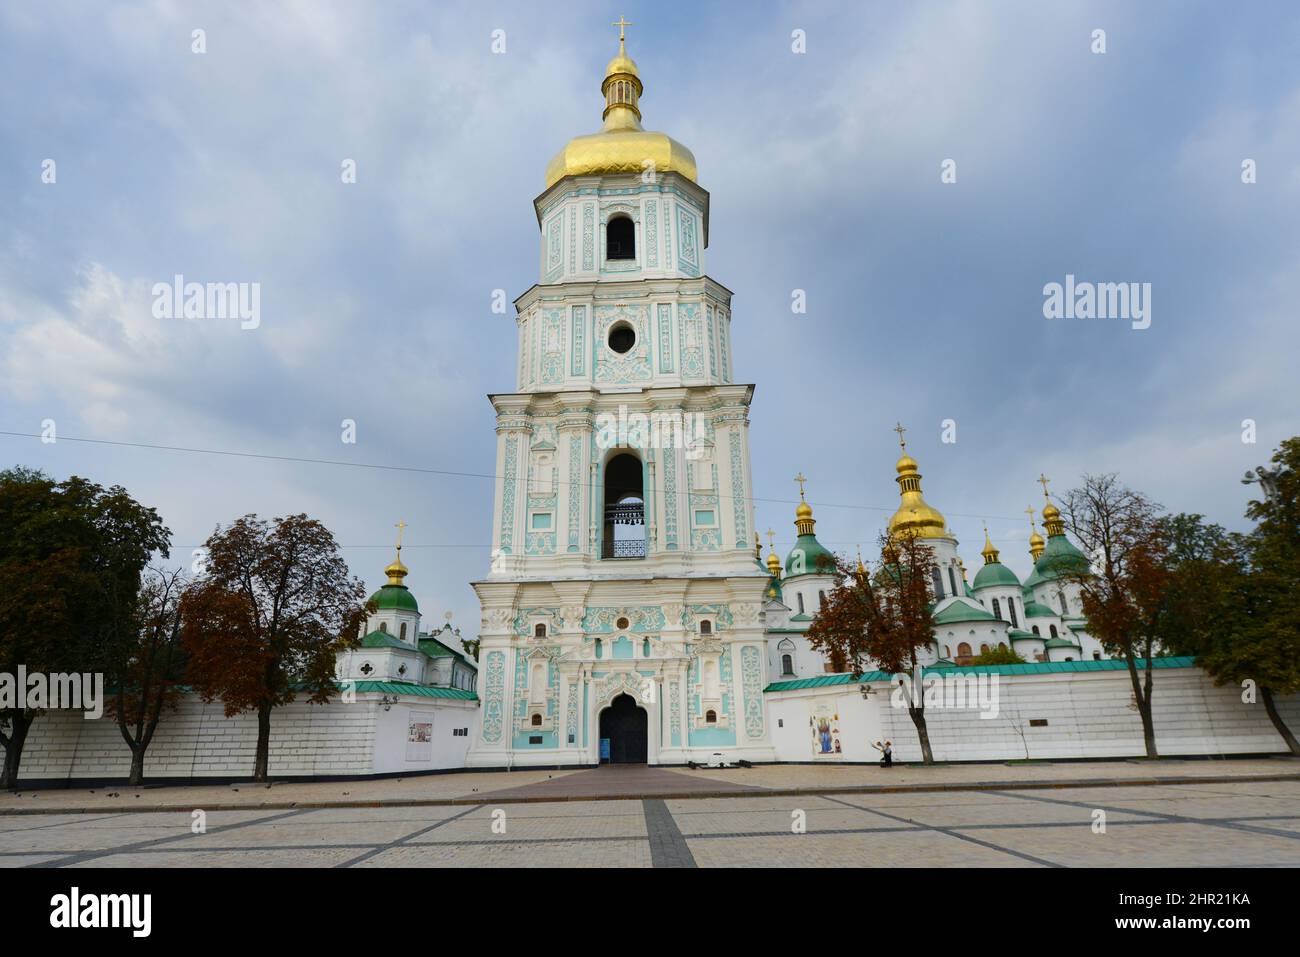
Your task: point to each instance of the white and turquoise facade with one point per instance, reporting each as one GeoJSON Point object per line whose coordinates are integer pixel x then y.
{"type": "Point", "coordinates": [622, 586]}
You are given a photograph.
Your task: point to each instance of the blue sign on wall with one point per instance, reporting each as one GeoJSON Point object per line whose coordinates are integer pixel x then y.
{"type": "Point", "coordinates": [604, 749]}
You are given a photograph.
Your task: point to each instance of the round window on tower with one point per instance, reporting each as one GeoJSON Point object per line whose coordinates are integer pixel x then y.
{"type": "Point", "coordinates": [622, 337]}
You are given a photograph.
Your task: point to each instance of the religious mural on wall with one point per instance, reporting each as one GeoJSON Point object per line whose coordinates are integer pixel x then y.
{"type": "Point", "coordinates": [824, 726]}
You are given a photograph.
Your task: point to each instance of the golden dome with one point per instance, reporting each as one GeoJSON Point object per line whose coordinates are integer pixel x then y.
{"type": "Point", "coordinates": [905, 464]}
{"type": "Point", "coordinates": [915, 516]}
{"type": "Point", "coordinates": [396, 571]}
{"type": "Point", "coordinates": [621, 146]}
{"type": "Point", "coordinates": [774, 564]}
{"type": "Point", "coordinates": [803, 510]}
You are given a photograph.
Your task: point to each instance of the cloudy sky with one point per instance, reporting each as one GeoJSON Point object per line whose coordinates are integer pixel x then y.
{"type": "Point", "coordinates": [925, 299]}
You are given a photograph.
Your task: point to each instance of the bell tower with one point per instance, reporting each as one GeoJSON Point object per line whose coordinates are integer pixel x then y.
{"type": "Point", "coordinates": [622, 560]}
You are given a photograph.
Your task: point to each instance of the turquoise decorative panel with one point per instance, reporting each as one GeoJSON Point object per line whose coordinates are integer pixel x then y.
{"type": "Point", "coordinates": [675, 713]}
{"type": "Point", "coordinates": [644, 619]}
{"type": "Point", "coordinates": [738, 498]}
{"type": "Point", "coordinates": [579, 340]}
{"type": "Point", "coordinates": [652, 233]}
{"type": "Point", "coordinates": [622, 647]}
{"type": "Point", "coordinates": [668, 235]}
{"type": "Point", "coordinates": [691, 336]}
{"type": "Point", "coordinates": [665, 337]}
{"type": "Point", "coordinates": [687, 251]}
{"type": "Point", "coordinates": [508, 495]}
{"type": "Point", "coordinates": [670, 499]}
{"type": "Point", "coordinates": [494, 697]}
{"type": "Point", "coordinates": [723, 334]}
{"type": "Point", "coordinates": [575, 486]}
{"type": "Point", "coordinates": [554, 247]}
{"type": "Point", "coordinates": [589, 237]}
{"type": "Point", "coordinates": [713, 352]}
{"type": "Point", "coordinates": [751, 682]}
{"type": "Point", "coordinates": [552, 346]}
{"type": "Point", "coordinates": [571, 716]}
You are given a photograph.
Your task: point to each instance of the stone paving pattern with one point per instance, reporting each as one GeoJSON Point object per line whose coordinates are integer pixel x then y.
{"type": "Point", "coordinates": [628, 781]}
{"type": "Point", "coordinates": [1247, 823]}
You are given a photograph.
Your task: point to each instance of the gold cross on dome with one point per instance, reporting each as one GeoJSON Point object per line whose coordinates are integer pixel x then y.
{"type": "Point", "coordinates": [622, 25]}
{"type": "Point", "coordinates": [771, 539]}
{"type": "Point", "coordinates": [401, 527]}
{"type": "Point", "coordinates": [900, 430]}
{"type": "Point", "coordinates": [800, 479]}
{"type": "Point", "coordinates": [1030, 512]}
{"type": "Point", "coordinates": [1043, 480]}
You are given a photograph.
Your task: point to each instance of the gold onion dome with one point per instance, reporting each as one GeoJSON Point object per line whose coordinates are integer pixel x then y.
{"type": "Point", "coordinates": [396, 572]}
{"type": "Point", "coordinates": [621, 146]}
{"type": "Point", "coordinates": [915, 516]}
{"type": "Point", "coordinates": [774, 564]}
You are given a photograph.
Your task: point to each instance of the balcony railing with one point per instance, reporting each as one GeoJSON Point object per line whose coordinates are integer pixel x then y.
{"type": "Point", "coordinates": [634, 548]}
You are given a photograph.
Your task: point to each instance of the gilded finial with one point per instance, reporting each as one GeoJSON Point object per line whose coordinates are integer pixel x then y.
{"type": "Point", "coordinates": [397, 571]}
{"type": "Point", "coordinates": [803, 513]}
{"type": "Point", "coordinates": [1043, 480]}
{"type": "Point", "coordinates": [773, 559]}
{"type": "Point", "coordinates": [1036, 543]}
{"type": "Point", "coordinates": [902, 444]}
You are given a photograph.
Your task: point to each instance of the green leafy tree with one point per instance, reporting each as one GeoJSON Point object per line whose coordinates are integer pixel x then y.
{"type": "Point", "coordinates": [998, 656]}
{"type": "Point", "coordinates": [266, 620]}
{"type": "Point", "coordinates": [71, 558]}
{"type": "Point", "coordinates": [1239, 610]}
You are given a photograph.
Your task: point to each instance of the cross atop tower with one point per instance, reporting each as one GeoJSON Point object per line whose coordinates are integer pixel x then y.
{"type": "Point", "coordinates": [1043, 480]}
{"type": "Point", "coordinates": [401, 527]}
{"type": "Point", "coordinates": [900, 430]}
{"type": "Point", "coordinates": [771, 539]}
{"type": "Point", "coordinates": [622, 25]}
{"type": "Point", "coordinates": [800, 479]}
{"type": "Point", "coordinates": [1030, 511]}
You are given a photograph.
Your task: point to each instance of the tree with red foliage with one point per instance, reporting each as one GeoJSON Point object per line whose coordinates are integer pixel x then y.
{"type": "Point", "coordinates": [883, 617]}
{"type": "Point", "coordinates": [268, 617]}
{"type": "Point", "coordinates": [1124, 591]}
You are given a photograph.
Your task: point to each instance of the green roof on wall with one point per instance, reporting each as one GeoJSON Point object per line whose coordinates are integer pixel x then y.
{"type": "Point", "coordinates": [1033, 668]}
{"type": "Point", "coordinates": [419, 691]}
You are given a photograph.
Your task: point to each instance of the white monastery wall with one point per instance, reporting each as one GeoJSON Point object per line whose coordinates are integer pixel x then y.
{"type": "Point", "coordinates": [1087, 714]}
{"type": "Point", "coordinates": [198, 741]}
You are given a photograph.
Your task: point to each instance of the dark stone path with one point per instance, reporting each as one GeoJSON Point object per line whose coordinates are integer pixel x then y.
{"type": "Point", "coordinates": [618, 780]}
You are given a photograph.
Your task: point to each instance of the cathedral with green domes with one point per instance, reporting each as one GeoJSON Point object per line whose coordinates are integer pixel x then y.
{"type": "Point", "coordinates": [1041, 618]}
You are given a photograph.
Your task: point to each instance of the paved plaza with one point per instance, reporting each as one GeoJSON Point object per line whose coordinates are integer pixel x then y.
{"type": "Point", "coordinates": [1234, 817]}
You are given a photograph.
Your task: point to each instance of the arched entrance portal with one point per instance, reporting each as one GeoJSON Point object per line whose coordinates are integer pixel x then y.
{"type": "Point", "coordinates": [624, 724]}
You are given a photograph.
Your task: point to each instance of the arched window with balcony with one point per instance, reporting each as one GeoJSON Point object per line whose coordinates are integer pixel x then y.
{"type": "Point", "coordinates": [624, 532]}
